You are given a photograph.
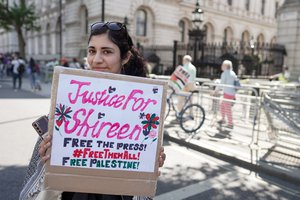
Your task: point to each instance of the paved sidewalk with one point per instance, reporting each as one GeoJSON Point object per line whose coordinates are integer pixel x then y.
{"type": "Point", "coordinates": [44, 92]}
{"type": "Point", "coordinates": [278, 158]}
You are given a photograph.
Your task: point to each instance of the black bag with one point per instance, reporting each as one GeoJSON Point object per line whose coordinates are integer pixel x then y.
{"type": "Point", "coordinates": [21, 68]}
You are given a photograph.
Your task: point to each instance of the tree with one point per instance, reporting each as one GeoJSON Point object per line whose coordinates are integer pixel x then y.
{"type": "Point", "coordinates": [18, 17]}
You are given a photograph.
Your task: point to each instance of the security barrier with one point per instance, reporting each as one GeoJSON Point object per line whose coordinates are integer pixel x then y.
{"type": "Point", "coordinates": [266, 125]}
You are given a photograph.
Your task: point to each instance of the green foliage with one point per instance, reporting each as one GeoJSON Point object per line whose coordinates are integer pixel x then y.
{"type": "Point", "coordinates": [17, 16]}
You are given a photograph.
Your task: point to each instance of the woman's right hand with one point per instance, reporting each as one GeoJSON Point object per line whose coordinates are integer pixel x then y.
{"type": "Point", "coordinates": [44, 145]}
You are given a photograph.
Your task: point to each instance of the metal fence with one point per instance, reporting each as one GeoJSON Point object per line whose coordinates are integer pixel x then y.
{"type": "Point", "coordinates": [266, 125]}
{"type": "Point", "coordinates": [262, 60]}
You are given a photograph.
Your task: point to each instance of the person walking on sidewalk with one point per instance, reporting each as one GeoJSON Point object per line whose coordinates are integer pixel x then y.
{"type": "Point", "coordinates": [228, 77]}
{"type": "Point", "coordinates": [32, 74]}
{"type": "Point", "coordinates": [18, 69]}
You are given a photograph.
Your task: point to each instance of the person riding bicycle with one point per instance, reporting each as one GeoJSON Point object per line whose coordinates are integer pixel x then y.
{"type": "Point", "coordinates": [183, 79]}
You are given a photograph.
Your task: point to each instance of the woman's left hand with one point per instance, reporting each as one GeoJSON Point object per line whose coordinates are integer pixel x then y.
{"type": "Point", "coordinates": [162, 158]}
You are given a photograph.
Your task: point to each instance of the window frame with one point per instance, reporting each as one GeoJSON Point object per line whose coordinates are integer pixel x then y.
{"type": "Point", "coordinates": [141, 25]}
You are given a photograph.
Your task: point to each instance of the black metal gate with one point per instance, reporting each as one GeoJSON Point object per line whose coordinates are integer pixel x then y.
{"type": "Point", "coordinates": [261, 60]}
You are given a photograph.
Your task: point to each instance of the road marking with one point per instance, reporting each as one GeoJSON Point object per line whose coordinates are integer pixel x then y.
{"type": "Point", "coordinates": [200, 187]}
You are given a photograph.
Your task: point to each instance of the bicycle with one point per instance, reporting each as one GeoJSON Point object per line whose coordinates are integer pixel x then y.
{"type": "Point", "coordinates": [191, 116]}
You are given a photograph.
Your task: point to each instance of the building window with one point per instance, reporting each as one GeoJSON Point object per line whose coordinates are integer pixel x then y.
{"type": "Point", "coordinates": [48, 39]}
{"type": "Point", "coordinates": [225, 36]}
{"type": "Point", "coordinates": [84, 20]}
{"type": "Point", "coordinates": [228, 35]}
{"type": "Point", "coordinates": [141, 23]}
{"type": "Point", "coordinates": [247, 5]}
{"type": "Point", "coordinates": [276, 8]}
{"type": "Point", "coordinates": [182, 30]}
{"type": "Point", "coordinates": [229, 2]}
{"type": "Point", "coordinates": [263, 4]}
{"type": "Point", "coordinates": [58, 37]}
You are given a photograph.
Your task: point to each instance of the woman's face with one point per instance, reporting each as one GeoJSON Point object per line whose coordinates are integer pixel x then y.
{"type": "Point", "coordinates": [104, 55]}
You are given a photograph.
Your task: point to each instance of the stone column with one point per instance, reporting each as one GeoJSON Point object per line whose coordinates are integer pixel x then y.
{"type": "Point", "coordinates": [289, 35]}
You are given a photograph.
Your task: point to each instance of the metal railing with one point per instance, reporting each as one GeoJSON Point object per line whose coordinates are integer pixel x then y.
{"type": "Point", "coordinates": [266, 124]}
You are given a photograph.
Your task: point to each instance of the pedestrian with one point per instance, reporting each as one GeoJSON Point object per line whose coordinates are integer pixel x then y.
{"type": "Point", "coordinates": [183, 79]}
{"type": "Point", "coordinates": [64, 62]}
{"type": "Point", "coordinates": [110, 49]}
{"type": "Point", "coordinates": [18, 69]}
{"type": "Point", "coordinates": [75, 64]}
{"type": "Point", "coordinates": [32, 73]}
{"type": "Point", "coordinates": [2, 69]}
{"type": "Point", "coordinates": [228, 77]}
{"type": "Point", "coordinates": [191, 70]}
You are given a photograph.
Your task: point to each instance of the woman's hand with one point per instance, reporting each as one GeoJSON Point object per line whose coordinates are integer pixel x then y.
{"type": "Point", "coordinates": [161, 159]}
{"type": "Point", "coordinates": [44, 145]}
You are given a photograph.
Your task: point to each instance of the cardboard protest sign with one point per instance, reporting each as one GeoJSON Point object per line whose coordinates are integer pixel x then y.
{"type": "Point", "coordinates": [106, 132]}
{"type": "Point", "coordinates": [179, 78]}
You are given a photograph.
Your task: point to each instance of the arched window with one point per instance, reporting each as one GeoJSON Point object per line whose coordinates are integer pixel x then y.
{"type": "Point", "coordinates": [209, 33]}
{"type": "Point", "coordinates": [225, 35]}
{"type": "Point", "coordinates": [228, 35]}
{"type": "Point", "coordinates": [182, 30]}
{"type": "Point", "coordinates": [260, 39]}
{"type": "Point", "coordinates": [245, 38]}
{"type": "Point", "coordinates": [229, 2]}
{"type": "Point", "coordinates": [273, 40]}
{"type": "Point", "coordinates": [141, 23]}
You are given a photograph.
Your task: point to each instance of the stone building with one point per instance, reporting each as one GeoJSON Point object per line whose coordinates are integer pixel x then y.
{"type": "Point", "coordinates": [152, 23]}
{"type": "Point", "coordinates": [289, 35]}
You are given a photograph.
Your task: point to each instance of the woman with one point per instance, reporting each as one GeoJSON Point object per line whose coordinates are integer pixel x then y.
{"type": "Point", "coordinates": [228, 77]}
{"type": "Point", "coordinates": [110, 49]}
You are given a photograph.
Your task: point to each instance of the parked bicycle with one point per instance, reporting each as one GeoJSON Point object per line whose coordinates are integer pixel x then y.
{"type": "Point", "coordinates": [191, 116]}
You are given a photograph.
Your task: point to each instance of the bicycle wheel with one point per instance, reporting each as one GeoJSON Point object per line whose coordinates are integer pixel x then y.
{"type": "Point", "coordinates": [192, 118]}
{"type": "Point", "coordinates": [168, 108]}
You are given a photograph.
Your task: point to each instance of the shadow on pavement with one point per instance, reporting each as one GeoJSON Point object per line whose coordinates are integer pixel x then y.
{"type": "Point", "coordinates": [179, 176]}
{"type": "Point", "coordinates": [11, 180]}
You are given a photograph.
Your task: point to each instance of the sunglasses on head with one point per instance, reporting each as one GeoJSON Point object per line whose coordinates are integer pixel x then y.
{"type": "Point", "coordinates": [113, 26]}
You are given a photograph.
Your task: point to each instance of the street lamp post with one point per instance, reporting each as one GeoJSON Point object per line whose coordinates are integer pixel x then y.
{"type": "Point", "coordinates": [252, 45]}
{"type": "Point", "coordinates": [126, 23]}
{"type": "Point", "coordinates": [196, 34]}
{"type": "Point", "coordinates": [103, 11]}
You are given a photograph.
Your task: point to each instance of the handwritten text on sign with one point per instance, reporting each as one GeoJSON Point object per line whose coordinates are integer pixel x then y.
{"type": "Point", "coordinates": [104, 123]}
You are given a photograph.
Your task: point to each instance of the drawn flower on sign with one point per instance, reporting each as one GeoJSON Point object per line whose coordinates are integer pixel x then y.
{"type": "Point", "coordinates": [149, 124]}
{"type": "Point", "coordinates": [151, 121]}
{"type": "Point", "coordinates": [152, 134]}
{"type": "Point", "coordinates": [61, 115]}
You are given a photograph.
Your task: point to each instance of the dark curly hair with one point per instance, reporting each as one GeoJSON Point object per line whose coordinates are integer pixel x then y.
{"type": "Point", "coordinates": [136, 65]}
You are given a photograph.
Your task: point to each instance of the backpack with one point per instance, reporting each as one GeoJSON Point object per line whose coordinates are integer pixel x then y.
{"type": "Point", "coordinates": [21, 68]}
